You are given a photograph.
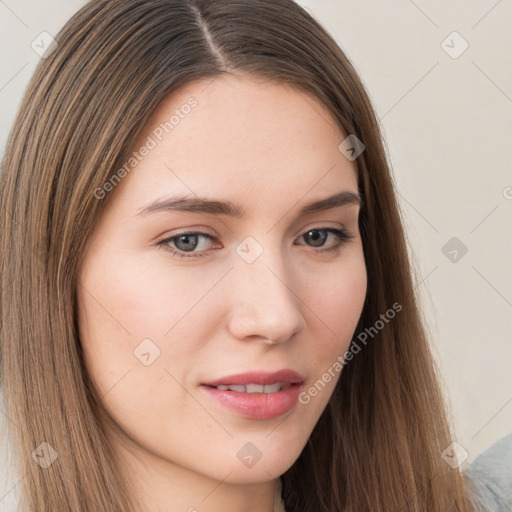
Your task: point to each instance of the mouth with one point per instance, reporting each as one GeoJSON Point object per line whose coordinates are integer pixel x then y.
{"type": "Point", "coordinates": [256, 395]}
{"type": "Point", "coordinates": [255, 405]}
{"type": "Point", "coordinates": [254, 388]}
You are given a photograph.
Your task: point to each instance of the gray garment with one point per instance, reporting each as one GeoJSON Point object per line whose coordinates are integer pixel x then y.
{"type": "Point", "coordinates": [490, 476]}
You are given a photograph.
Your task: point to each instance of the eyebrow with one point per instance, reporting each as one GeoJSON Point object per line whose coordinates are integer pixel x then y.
{"type": "Point", "coordinates": [215, 207]}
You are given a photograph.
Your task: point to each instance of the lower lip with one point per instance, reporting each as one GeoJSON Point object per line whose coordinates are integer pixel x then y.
{"type": "Point", "coordinates": [257, 406]}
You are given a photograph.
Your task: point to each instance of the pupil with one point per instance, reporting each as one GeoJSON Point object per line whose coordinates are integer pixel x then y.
{"type": "Point", "coordinates": [188, 245]}
{"type": "Point", "coordinates": [315, 239]}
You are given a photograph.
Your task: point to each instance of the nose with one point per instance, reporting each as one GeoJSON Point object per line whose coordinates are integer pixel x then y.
{"type": "Point", "coordinates": [263, 303]}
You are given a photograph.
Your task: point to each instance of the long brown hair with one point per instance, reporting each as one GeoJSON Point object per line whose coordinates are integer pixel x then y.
{"type": "Point", "coordinates": [377, 446]}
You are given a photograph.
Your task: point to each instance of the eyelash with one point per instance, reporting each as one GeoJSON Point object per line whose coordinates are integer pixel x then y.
{"type": "Point", "coordinates": [342, 234]}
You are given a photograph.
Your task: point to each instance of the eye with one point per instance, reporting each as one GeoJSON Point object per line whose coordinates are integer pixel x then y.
{"type": "Point", "coordinates": [318, 240]}
{"type": "Point", "coordinates": [185, 243]}
{"type": "Point", "coordinates": [181, 244]}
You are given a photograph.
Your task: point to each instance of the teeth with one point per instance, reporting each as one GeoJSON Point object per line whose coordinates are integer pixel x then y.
{"type": "Point", "coordinates": [255, 388]}
{"type": "Point", "coordinates": [272, 388]}
{"type": "Point", "coordinates": [236, 388]}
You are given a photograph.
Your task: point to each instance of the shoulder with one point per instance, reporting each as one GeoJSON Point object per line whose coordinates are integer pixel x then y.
{"type": "Point", "coordinates": [490, 476]}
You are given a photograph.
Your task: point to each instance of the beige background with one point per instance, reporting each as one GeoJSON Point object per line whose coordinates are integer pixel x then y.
{"type": "Point", "coordinates": [448, 124]}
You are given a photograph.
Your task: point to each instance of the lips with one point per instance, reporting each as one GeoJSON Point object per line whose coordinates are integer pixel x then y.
{"type": "Point", "coordinates": [257, 395]}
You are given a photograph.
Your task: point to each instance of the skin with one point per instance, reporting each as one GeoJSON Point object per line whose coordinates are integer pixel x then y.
{"type": "Point", "coordinates": [272, 149]}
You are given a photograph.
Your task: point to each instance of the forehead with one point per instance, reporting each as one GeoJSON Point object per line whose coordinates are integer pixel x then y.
{"type": "Point", "coordinates": [243, 135]}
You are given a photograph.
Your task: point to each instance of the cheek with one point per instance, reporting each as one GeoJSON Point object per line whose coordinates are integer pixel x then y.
{"type": "Point", "coordinates": [135, 324]}
{"type": "Point", "coordinates": [337, 301]}
{"type": "Point", "coordinates": [123, 304]}
{"type": "Point", "coordinates": [137, 297]}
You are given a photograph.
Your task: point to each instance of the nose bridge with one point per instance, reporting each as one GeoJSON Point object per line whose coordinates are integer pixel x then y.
{"type": "Point", "coordinates": [265, 303]}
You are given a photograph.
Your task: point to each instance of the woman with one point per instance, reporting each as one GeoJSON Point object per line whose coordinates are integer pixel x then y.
{"type": "Point", "coordinates": [206, 293]}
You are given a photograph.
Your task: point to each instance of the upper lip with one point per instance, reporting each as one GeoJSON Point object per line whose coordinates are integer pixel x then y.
{"type": "Point", "coordinates": [257, 377]}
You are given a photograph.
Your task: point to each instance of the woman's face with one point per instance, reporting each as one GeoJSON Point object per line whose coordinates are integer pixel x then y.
{"type": "Point", "coordinates": [269, 289]}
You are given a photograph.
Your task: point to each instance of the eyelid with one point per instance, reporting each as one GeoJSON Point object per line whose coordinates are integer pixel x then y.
{"type": "Point", "coordinates": [200, 230]}
{"type": "Point", "coordinates": [342, 234]}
